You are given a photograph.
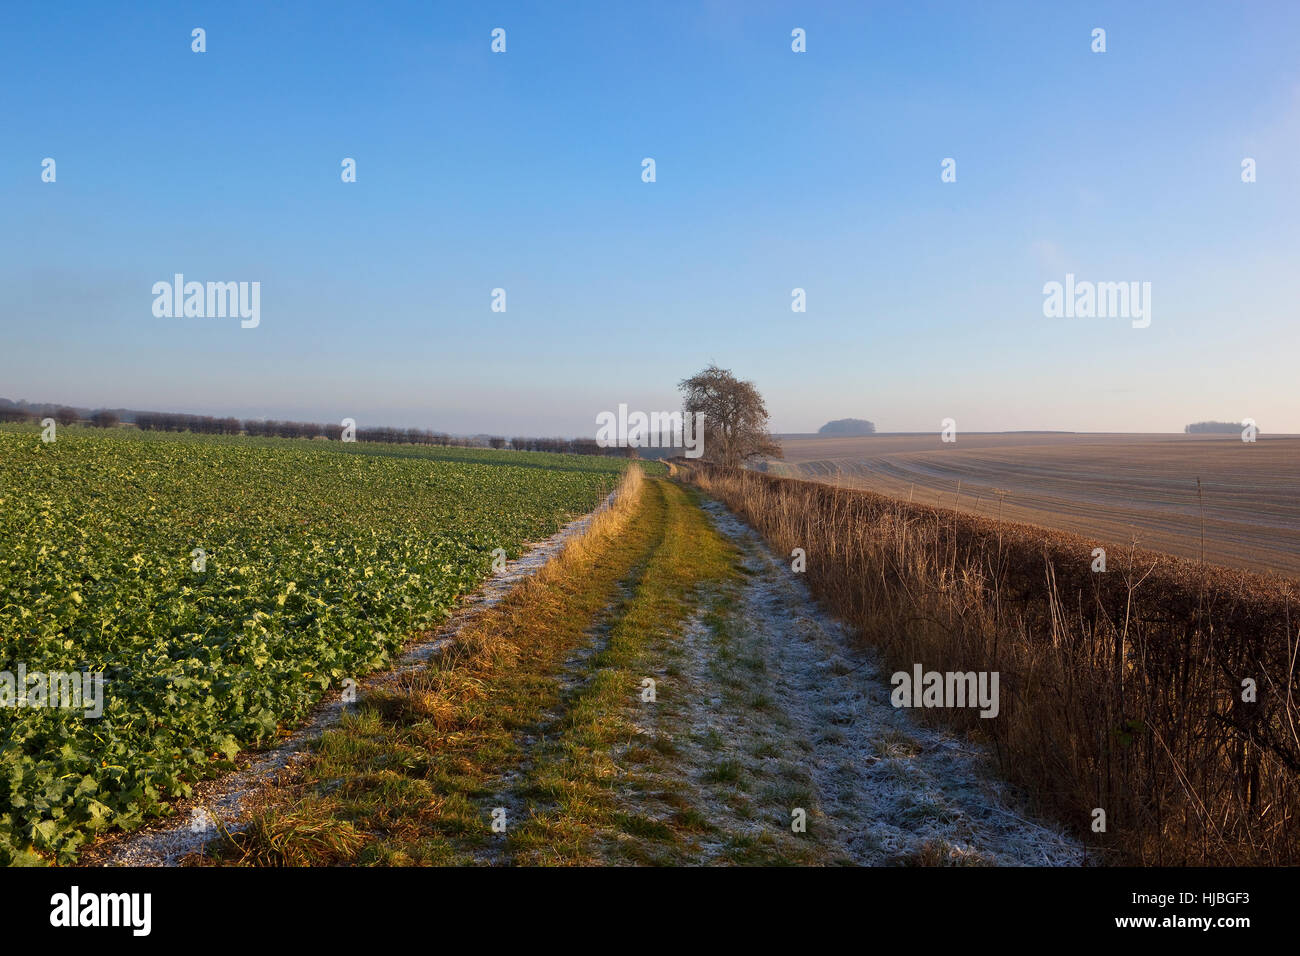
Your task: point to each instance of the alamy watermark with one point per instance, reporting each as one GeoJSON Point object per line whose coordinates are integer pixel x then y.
{"type": "Point", "coordinates": [947, 689]}
{"type": "Point", "coordinates": [75, 908]}
{"type": "Point", "coordinates": [60, 690]}
{"type": "Point", "coordinates": [213, 300]}
{"type": "Point", "coordinates": [1098, 300]}
{"type": "Point", "coordinates": [655, 430]}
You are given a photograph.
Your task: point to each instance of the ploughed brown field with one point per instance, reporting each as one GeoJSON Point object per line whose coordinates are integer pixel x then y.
{"type": "Point", "coordinates": [1112, 488]}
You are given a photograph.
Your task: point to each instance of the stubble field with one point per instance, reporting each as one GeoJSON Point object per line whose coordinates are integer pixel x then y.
{"type": "Point", "coordinates": [1116, 488]}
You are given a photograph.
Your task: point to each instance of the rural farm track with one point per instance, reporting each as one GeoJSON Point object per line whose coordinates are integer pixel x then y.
{"type": "Point", "coordinates": [227, 799]}
{"type": "Point", "coordinates": [768, 706]}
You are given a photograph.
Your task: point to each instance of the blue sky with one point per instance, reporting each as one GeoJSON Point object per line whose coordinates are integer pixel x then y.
{"type": "Point", "coordinates": [775, 170]}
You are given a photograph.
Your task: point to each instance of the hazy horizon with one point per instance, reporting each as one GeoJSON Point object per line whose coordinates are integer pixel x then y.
{"type": "Point", "coordinates": [508, 433]}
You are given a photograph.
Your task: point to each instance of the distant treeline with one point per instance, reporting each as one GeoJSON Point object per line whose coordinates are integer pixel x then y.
{"type": "Point", "coordinates": [61, 414]}
{"type": "Point", "coordinates": [211, 425]}
{"type": "Point", "coordinates": [201, 424]}
{"type": "Point", "coordinates": [849, 427]}
{"type": "Point", "coordinates": [570, 446]}
{"type": "Point", "coordinates": [1215, 428]}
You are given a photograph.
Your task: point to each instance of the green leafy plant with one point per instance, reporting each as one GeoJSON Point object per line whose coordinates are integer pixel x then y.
{"type": "Point", "coordinates": [321, 560]}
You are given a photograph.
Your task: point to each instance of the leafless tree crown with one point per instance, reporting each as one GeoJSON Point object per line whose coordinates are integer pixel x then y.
{"type": "Point", "coordinates": [735, 417]}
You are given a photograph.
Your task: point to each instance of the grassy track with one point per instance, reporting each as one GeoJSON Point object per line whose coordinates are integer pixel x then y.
{"type": "Point", "coordinates": [537, 709]}
{"type": "Point", "coordinates": [537, 718]}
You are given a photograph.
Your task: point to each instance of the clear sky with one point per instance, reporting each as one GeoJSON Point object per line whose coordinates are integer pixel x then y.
{"type": "Point", "coordinates": [775, 170]}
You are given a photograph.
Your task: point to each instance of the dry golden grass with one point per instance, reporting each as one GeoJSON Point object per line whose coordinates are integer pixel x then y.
{"type": "Point", "coordinates": [1120, 691]}
{"type": "Point", "coordinates": [1109, 487]}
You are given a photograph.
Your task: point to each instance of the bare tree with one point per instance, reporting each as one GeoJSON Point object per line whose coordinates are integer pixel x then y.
{"type": "Point", "coordinates": [104, 419]}
{"type": "Point", "coordinates": [735, 417]}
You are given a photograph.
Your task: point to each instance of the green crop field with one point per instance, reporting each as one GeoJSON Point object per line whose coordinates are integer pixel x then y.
{"type": "Point", "coordinates": [318, 561]}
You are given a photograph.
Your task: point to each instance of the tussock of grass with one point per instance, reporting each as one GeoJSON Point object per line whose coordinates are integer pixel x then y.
{"type": "Point", "coordinates": [284, 839]}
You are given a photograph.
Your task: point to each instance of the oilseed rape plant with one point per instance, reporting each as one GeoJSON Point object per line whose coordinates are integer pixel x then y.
{"type": "Point", "coordinates": [221, 586]}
